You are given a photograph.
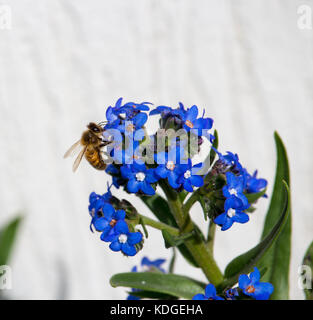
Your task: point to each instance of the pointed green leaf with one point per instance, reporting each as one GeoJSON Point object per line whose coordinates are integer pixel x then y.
{"type": "Point", "coordinates": [172, 262]}
{"type": "Point", "coordinates": [277, 259]}
{"type": "Point", "coordinates": [151, 295]}
{"type": "Point", "coordinates": [245, 262]}
{"type": "Point", "coordinates": [7, 239]}
{"type": "Point", "coordinates": [159, 207]}
{"type": "Point", "coordinates": [308, 263]}
{"type": "Point", "coordinates": [215, 145]}
{"type": "Point", "coordinates": [171, 284]}
{"type": "Point", "coordinates": [253, 197]}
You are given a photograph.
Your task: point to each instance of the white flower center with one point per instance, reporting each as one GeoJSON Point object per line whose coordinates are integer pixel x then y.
{"type": "Point", "coordinates": [233, 192]}
{"type": "Point", "coordinates": [122, 238]}
{"type": "Point", "coordinates": [231, 212]}
{"type": "Point", "coordinates": [187, 174]}
{"type": "Point", "coordinates": [170, 165]}
{"type": "Point", "coordinates": [140, 176]}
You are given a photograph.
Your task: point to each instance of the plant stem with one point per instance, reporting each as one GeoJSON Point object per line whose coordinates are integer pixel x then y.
{"type": "Point", "coordinates": [211, 235]}
{"type": "Point", "coordinates": [159, 225]}
{"type": "Point", "coordinates": [197, 248]}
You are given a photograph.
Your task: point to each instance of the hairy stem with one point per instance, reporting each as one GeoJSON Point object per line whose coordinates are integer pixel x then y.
{"type": "Point", "coordinates": [197, 248]}
{"type": "Point", "coordinates": [159, 225]}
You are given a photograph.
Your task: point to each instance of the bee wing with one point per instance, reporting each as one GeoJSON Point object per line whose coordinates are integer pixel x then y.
{"type": "Point", "coordinates": [79, 159]}
{"type": "Point", "coordinates": [73, 149]}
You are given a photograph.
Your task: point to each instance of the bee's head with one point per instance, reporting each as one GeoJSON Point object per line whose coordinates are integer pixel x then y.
{"type": "Point", "coordinates": [93, 127]}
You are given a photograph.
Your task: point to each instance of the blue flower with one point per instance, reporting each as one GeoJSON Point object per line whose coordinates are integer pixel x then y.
{"type": "Point", "coordinates": [169, 165]}
{"type": "Point", "coordinates": [149, 265]}
{"type": "Point", "coordinates": [210, 294]}
{"type": "Point", "coordinates": [235, 187]}
{"type": "Point", "coordinates": [233, 213]}
{"type": "Point", "coordinates": [231, 294]}
{"type": "Point", "coordinates": [253, 184]}
{"type": "Point", "coordinates": [109, 219]}
{"type": "Point", "coordinates": [123, 240]}
{"type": "Point", "coordinates": [252, 286]}
{"type": "Point", "coordinates": [190, 121]}
{"type": "Point", "coordinates": [134, 126]}
{"type": "Point", "coordinates": [189, 177]}
{"type": "Point", "coordinates": [139, 178]}
{"type": "Point", "coordinates": [167, 112]}
{"type": "Point", "coordinates": [96, 204]}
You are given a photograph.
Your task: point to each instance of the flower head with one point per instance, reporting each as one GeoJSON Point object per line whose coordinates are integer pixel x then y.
{"type": "Point", "coordinates": [235, 187]}
{"type": "Point", "coordinates": [233, 213]}
{"type": "Point", "coordinates": [139, 178]}
{"type": "Point", "coordinates": [252, 286]}
{"type": "Point", "coordinates": [192, 122]}
{"type": "Point", "coordinates": [210, 294]}
{"type": "Point", "coordinates": [122, 239]}
{"type": "Point", "coordinates": [189, 177]}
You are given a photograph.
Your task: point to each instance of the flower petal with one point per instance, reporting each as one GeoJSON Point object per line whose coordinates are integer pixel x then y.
{"type": "Point", "coordinates": [134, 238]}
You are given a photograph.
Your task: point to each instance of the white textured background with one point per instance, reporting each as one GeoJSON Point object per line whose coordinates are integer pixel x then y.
{"type": "Point", "coordinates": [246, 62]}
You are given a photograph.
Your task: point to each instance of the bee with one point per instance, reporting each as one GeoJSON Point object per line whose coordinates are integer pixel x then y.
{"type": "Point", "coordinates": [91, 143]}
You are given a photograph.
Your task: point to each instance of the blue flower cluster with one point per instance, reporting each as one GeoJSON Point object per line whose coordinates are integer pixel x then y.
{"type": "Point", "coordinates": [112, 225]}
{"type": "Point", "coordinates": [130, 171]}
{"type": "Point", "coordinates": [147, 265]}
{"type": "Point", "coordinates": [248, 285]}
{"type": "Point", "coordinates": [238, 182]}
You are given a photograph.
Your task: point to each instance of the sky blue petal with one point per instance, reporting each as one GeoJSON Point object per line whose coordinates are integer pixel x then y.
{"type": "Point", "coordinates": [227, 224]}
{"type": "Point", "coordinates": [133, 186]}
{"type": "Point", "coordinates": [100, 223]}
{"type": "Point", "coordinates": [263, 290]}
{"type": "Point", "coordinates": [172, 180]}
{"type": "Point", "coordinates": [161, 171]}
{"type": "Point", "coordinates": [140, 119]}
{"type": "Point", "coordinates": [134, 238]}
{"type": "Point", "coordinates": [146, 188]}
{"type": "Point", "coordinates": [243, 281]}
{"type": "Point", "coordinates": [220, 219]}
{"type": "Point", "coordinates": [210, 291]}
{"type": "Point", "coordinates": [108, 210]}
{"type": "Point", "coordinates": [241, 217]}
{"type": "Point", "coordinates": [121, 227]}
{"type": "Point", "coordinates": [196, 181]}
{"type": "Point", "coordinates": [188, 186]}
{"type": "Point", "coordinates": [105, 231]}
{"type": "Point", "coordinates": [120, 215]}
{"type": "Point", "coordinates": [192, 113]}
{"type": "Point", "coordinates": [128, 249]}
{"type": "Point", "coordinates": [255, 276]}
{"type": "Point", "coordinates": [126, 172]}
{"type": "Point", "coordinates": [115, 246]}
{"type": "Point", "coordinates": [199, 296]}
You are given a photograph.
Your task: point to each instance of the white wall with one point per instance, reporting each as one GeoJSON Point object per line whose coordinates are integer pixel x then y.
{"type": "Point", "coordinates": [62, 62]}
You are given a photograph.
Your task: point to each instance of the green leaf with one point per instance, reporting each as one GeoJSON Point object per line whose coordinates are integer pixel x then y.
{"type": "Point", "coordinates": [7, 239]}
{"type": "Point", "coordinates": [151, 295]}
{"type": "Point", "coordinates": [172, 241]}
{"type": "Point", "coordinates": [245, 262]}
{"type": "Point", "coordinates": [215, 145]}
{"type": "Point", "coordinates": [308, 261]}
{"type": "Point", "coordinates": [277, 259]}
{"type": "Point", "coordinates": [172, 262]}
{"type": "Point", "coordinates": [253, 197]}
{"type": "Point", "coordinates": [159, 207]}
{"type": "Point", "coordinates": [172, 284]}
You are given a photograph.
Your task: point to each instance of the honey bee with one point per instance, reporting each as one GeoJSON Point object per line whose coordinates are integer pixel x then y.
{"type": "Point", "coordinates": [91, 142]}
